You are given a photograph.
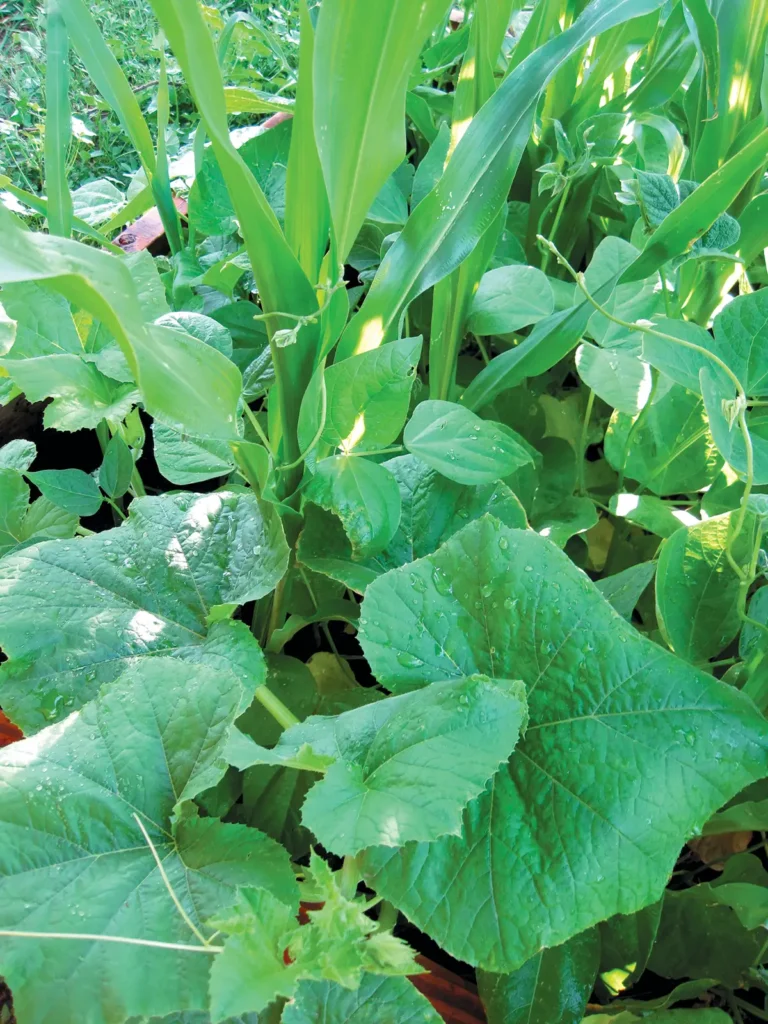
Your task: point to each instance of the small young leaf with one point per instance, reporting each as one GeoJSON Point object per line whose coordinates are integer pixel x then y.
{"type": "Point", "coordinates": [462, 446]}
{"type": "Point", "coordinates": [186, 458]}
{"type": "Point", "coordinates": [18, 455]}
{"type": "Point", "coordinates": [263, 929]}
{"type": "Point", "coordinates": [741, 340]}
{"type": "Point", "coordinates": [367, 396]}
{"type": "Point", "coordinates": [668, 447]}
{"type": "Point", "coordinates": [70, 489]}
{"type": "Point", "coordinates": [433, 509]}
{"type": "Point", "coordinates": [82, 395]}
{"type": "Point", "coordinates": [96, 201]}
{"type": "Point", "coordinates": [431, 167]}
{"type": "Point", "coordinates": [44, 321]}
{"type": "Point", "coordinates": [258, 936]}
{"type": "Point", "coordinates": [14, 501]}
{"type": "Point", "coordinates": [407, 766]}
{"type": "Point", "coordinates": [678, 362]}
{"type": "Point", "coordinates": [201, 327]}
{"type": "Point", "coordinates": [726, 948]}
{"type": "Point", "coordinates": [117, 468]}
{"type": "Point", "coordinates": [619, 378]}
{"type": "Point", "coordinates": [626, 588]}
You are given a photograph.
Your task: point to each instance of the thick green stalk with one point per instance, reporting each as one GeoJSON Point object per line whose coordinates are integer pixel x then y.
{"type": "Point", "coordinates": [453, 295]}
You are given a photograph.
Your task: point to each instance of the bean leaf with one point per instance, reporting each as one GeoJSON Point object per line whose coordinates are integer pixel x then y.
{"type": "Point", "coordinates": [462, 446]}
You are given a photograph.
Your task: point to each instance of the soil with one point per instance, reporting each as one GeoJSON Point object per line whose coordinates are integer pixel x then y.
{"type": "Point", "coordinates": [6, 1005]}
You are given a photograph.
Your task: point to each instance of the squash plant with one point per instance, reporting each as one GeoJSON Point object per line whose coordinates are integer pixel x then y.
{"type": "Point", "coordinates": [421, 582]}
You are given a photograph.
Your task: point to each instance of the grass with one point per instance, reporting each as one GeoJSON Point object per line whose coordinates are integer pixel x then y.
{"type": "Point", "coordinates": [99, 147]}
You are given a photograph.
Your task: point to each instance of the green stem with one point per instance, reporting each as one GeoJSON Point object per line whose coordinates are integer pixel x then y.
{"type": "Point", "coordinates": [388, 915]}
{"type": "Point", "coordinates": [137, 484]}
{"type": "Point", "coordinates": [750, 1008]}
{"type": "Point", "coordinates": [115, 506]}
{"type": "Point", "coordinates": [350, 876]}
{"type": "Point", "coordinates": [583, 441]}
{"type": "Point", "coordinates": [734, 1006]}
{"type": "Point", "coordinates": [281, 714]}
{"type": "Point", "coordinates": [277, 608]}
{"type": "Point", "coordinates": [556, 223]}
{"type": "Point", "coordinates": [664, 288]}
{"type": "Point", "coordinates": [258, 428]}
{"type": "Point", "coordinates": [318, 432]}
{"type": "Point", "coordinates": [102, 433]}
{"type": "Point", "coordinates": [483, 350]}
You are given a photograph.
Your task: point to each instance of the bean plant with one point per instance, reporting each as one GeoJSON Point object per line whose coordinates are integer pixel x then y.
{"type": "Point", "coordinates": [416, 602]}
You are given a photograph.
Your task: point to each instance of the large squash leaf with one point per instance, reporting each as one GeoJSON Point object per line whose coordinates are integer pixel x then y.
{"type": "Point", "coordinates": [74, 613]}
{"type": "Point", "coordinates": [628, 749]}
{"type": "Point", "coordinates": [73, 858]}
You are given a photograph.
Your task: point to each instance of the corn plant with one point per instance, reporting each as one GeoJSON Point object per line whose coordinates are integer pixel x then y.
{"type": "Point", "coordinates": [462, 635]}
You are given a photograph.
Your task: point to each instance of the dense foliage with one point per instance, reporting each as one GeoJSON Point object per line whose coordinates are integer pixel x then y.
{"type": "Point", "coordinates": [420, 581]}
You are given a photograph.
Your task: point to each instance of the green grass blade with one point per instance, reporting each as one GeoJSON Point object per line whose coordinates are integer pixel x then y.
{"type": "Point", "coordinates": [133, 209]}
{"type": "Point", "coordinates": [696, 214]}
{"type": "Point", "coordinates": [449, 222]}
{"type": "Point", "coordinates": [307, 214]}
{"type": "Point", "coordinates": [40, 205]}
{"type": "Point", "coordinates": [58, 123]}
{"type": "Point", "coordinates": [108, 77]}
{"type": "Point", "coordinates": [743, 32]}
{"type": "Point", "coordinates": [241, 99]}
{"type": "Point", "coordinates": [364, 54]}
{"type": "Point", "coordinates": [709, 42]}
{"type": "Point", "coordinates": [166, 208]}
{"type": "Point", "coordinates": [673, 53]}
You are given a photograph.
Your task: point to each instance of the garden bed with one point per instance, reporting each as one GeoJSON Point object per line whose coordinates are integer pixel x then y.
{"type": "Point", "coordinates": [383, 490]}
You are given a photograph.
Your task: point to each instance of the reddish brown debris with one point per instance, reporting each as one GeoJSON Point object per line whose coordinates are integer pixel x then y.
{"type": "Point", "coordinates": [147, 230]}
{"type": "Point", "coordinates": [455, 1000]}
{"type": "Point", "coordinates": [9, 733]}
